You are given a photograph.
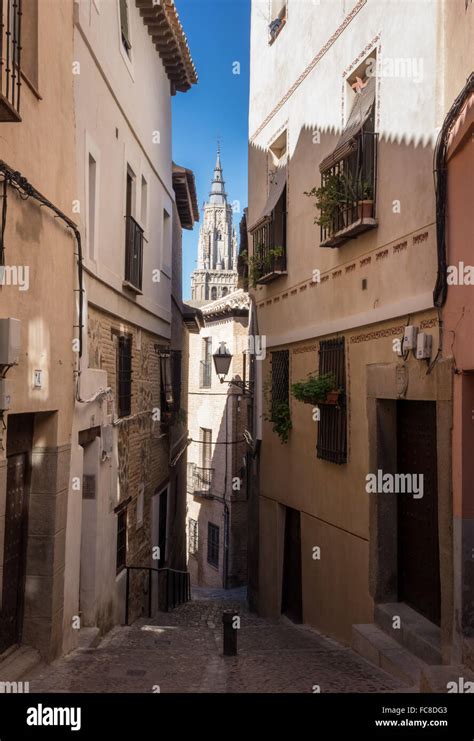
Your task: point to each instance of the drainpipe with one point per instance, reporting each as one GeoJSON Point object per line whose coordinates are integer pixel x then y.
{"type": "Point", "coordinates": [440, 180]}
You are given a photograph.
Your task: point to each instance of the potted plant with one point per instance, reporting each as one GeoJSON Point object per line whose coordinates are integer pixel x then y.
{"type": "Point", "coordinates": [365, 203]}
{"type": "Point", "coordinates": [360, 192]}
{"type": "Point", "coordinates": [329, 198]}
{"type": "Point", "coordinates": [259, 266]}
{"type": "Point", "coordinates": [317, 389]}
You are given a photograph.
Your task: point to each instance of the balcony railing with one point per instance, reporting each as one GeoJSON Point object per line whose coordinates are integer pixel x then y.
{"type": "Point", "coordinates": [205, 374]}
{"type": "Point", "coordinates": [354, 180]}
{"type": "Point", "coordinates": [10, 59]}
{"type": "Point", "coordinates": [200, 480]}
{"type": "Point", "coordinates": [269, 249]}
{"type": "Point", "coordinates": [133, 253]}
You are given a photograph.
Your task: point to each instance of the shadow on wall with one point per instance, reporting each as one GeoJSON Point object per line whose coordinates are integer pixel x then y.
{"type": "Point", "coordinates": [218, 481]}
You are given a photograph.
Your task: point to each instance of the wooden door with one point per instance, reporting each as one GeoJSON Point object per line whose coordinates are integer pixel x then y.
{"type": "Point", "coordinates": [418, 540]}
{"type": "Point", "coordinates": [13, 559]}
{"type": "Point", "coordinates": [291, 602]}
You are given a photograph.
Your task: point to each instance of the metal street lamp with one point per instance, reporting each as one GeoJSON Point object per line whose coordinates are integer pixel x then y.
{"type": "Point", "coordinates": [222, 360]}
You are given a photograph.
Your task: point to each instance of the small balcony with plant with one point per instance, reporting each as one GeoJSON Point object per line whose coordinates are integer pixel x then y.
{"type": "Point", "coordinates": [346, 197]}
{"type": "Point", "coordinates": [268, 259]}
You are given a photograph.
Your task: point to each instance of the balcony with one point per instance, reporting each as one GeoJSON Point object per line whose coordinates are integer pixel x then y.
{"type": "Point", "coordinates": [133, 255]}
{"type": "Point", "coordinates": [347, 196]}
{"type": "Point", "coordinates": [10, 52]}
{"type": "Point", "coordinates": [268, 261]}
{"type": "Point", "coordinates": [200, 480]}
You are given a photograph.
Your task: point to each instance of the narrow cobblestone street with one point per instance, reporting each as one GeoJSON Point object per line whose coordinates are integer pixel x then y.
{"type": "Point", "coordinates": [181, 651]}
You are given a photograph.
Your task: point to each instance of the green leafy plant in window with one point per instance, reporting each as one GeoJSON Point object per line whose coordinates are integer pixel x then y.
{"type": "Point", "coordinates": [315, 389]}
{"type": "Point", "coordinates": [338, 192]}
{"type": "Point", "coordinates": [259, 266]}
{"type": "Point", "coordinates": [328, 199]}
{"type": "Point", "coordinates": [278, 414]}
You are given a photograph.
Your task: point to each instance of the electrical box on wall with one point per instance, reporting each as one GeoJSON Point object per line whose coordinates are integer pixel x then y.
{"type": "Point", "coordinates": [409, 337]}
{"type": "Point", "coordinates": [423, 346]}
{"type": "Point", "coordinates": [106, 441]}
{"type": "Point", "coordinates": [5, 396]}
{"type": "Point", "coordinates": [10, 341]}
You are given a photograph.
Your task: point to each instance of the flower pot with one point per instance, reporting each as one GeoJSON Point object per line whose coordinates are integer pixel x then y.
{"type": "Point", "coordinates": [332, 397]}
{"type": "Point", "coordinates": [366, 209]}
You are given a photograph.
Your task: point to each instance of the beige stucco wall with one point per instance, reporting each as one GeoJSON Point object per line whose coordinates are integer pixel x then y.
{"type": "Point", "coordinates": [309, 98]}
{"type": "Point", "coordinates": [33, 237]}
{"type": "Point", "coordinates": [121, 125]}
{"type": "Point", "coordinates": [41, 147]}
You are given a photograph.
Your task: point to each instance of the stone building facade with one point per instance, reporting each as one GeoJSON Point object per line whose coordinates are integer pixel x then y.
{"type": "Point", "coordinates": [218, 451]}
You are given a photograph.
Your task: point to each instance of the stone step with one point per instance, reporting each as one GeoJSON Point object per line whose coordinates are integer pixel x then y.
{"type": "Point", "coordinates": [380, 649]}
{"type": "Point", "coordinates": [89, 638]}
{"type": "Point", "coordinates": [451, 678]}
{"type": "Point", "coordinates": [416, 634]}
{"type": "Point", "coordinates": [19, 663]}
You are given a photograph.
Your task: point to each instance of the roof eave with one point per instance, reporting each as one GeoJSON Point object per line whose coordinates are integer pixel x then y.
{"type": "Point", "coordinates": [164, 26]}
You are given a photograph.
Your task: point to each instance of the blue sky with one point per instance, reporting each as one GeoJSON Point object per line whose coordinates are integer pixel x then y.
{"type": "Point", "coordinates": [218, 36]}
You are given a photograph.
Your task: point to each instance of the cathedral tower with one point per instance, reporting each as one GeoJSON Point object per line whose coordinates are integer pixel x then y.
{"type": "Point", "coordinates": [216, 273]}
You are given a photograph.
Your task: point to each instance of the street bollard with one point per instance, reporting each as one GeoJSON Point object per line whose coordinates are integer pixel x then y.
{"type": "Point", "coordinates": [230, 633]}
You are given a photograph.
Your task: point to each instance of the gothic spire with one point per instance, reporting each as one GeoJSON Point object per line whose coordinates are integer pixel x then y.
{"type": "Point", "coordinates": [217, 193]}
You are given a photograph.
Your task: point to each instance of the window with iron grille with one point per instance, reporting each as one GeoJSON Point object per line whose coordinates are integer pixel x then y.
{"type": "Point", "coordinates": [11, 62]}
{"type": "Point", "coordinates": [205, 372]}
{"type": "Point", "coordinates": [212, 544]}
{"type": "Point", "coordinates": [121, 540]}
{"type": "Point", "coordinates": [349, 173]}
{"type": "Point", "coordinates": [124, 375]}
{"type": "Point", "coordinates": [332, 427]}
{"type": "Point", "coordinates": [193, 537]}
{"type": "Point", "coordinates": [270, 240]}
{"type": "Point", "coordinates": [280, 378]}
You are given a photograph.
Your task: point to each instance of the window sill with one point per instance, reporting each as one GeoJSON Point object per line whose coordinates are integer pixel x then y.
{"type": "Point", "coordinates": [269, 277]}
{"type": "Point", "coordinates": [32, 86]}
{"type": "Point", "coordinates": [130, 287]}
{"type": "Point", "coordinates": [349, 232]}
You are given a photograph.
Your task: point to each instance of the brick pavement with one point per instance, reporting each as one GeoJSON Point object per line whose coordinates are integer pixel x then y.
{"type": "Point", "coordinates": [181, 651]}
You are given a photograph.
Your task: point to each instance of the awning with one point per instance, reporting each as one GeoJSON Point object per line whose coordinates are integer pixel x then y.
{"type": "Point", "coordinates": [359, 114]}
{"type": "Point", "coordinates": [277, 186]}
